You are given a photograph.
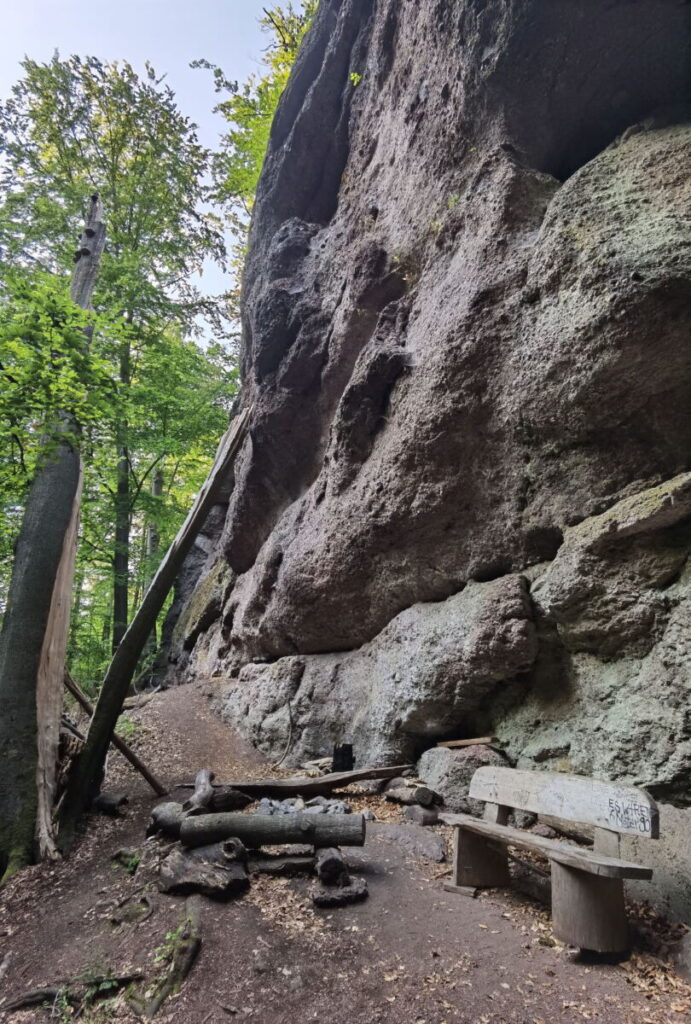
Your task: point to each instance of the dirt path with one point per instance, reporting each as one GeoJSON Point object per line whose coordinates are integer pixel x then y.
{"type": "Point", "coordinates": [411, 954]}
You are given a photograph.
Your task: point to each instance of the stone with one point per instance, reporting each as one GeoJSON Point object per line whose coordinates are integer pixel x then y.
{"type": "Point", "coordinates": [422, 815]}
{"type": "Point", "coordinates": [449, 772]}
{"type": "Point", "coordinates": [681, 957]}
{"type": "Point", "coordinates": [340, 895]}
{"type": "Point", "coordinates": [419, 842]}
{"type": "Point", "coordinates": [431, 666]}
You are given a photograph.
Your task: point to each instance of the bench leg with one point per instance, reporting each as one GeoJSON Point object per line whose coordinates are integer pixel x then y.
{"type": "Point", "coordinates": [588, 910]}
{"type": "Point", "coordinates": [477, 862]}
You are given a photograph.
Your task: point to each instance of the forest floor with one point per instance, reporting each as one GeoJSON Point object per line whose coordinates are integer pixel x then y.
{"type": "Point", "coordinates": [410, 954]}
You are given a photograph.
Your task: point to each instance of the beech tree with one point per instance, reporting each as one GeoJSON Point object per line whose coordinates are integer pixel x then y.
{"type": "Point", "coordinates": [35, 626]}
{"type": "Point", "coordinates": [80, 125]}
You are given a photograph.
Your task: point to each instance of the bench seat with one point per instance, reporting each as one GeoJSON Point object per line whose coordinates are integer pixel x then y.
{"type": "Point", "coordinates": [562, 853]}
{"type": "Point", "coordinates": [588, 908]}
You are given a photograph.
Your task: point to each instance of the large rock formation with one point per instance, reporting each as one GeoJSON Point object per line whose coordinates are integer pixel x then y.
{"type": "Point", "coordinates": [465, 501]}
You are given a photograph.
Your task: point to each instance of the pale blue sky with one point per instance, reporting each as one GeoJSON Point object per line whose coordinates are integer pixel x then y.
{"type": "Point", "coordinates": [169, 33]}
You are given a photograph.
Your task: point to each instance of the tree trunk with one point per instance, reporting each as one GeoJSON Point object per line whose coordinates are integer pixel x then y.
{"type": "Point", "coordinates": [153, 543]}
{"type": "Point", "coordinates": [275, 829]}
{"type": "Point", "coordinates": [34, 629]}
{"type": "Point", "coordinates": [121, 551]}
{"type": "Point", "coordinates": [86, 778]}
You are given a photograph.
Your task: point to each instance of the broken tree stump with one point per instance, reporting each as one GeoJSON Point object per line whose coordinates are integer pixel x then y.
{"type": "Point", "coordinates": [274, 830]}
{"type": "Point", "coordinates": [203, 793]}
{"type": "Point", "coordinates": [222, 877]}
{"type": "Point", "coordinates": [331, 867]}
{"type": "Point", "coordinates": [226, 798]}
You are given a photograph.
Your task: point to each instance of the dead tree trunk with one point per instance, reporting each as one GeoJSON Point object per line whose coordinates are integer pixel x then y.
{"type": "Point", "coordinates": [86, 778]}
{"type": "Point", "coordinates": [34, 632]}
{"type": "Point", "coordinates": [273, 830]}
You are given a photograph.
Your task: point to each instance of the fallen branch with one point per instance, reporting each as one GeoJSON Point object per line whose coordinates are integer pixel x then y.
{"type": "Point", "coordinates": [118, 743]}
{"type": "Point", "coordinates": [85, 778]}
{"type": "Point", "coordinates": [280, 788]}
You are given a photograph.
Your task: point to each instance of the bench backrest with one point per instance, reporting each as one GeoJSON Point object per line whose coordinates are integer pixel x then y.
{"type": "Point", "coordinates": [606, 805]}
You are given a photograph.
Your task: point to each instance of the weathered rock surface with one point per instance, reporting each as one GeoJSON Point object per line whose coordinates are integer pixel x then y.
{"type": "Point", "coordinates": [449, 772]}
{"type": "Point", "coordinates": [429, 668]}
{"type": "Point", "coordinates": [464, 501]}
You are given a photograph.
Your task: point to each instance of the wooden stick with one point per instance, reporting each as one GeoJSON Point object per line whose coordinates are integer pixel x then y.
{"type": "Point", "coordinates": [119, 744]}
{"type": "Point", "coordinates": [84, 779]}
{"type": "Point", "coordinates": [280, 788]}
{"type": "Point", "coordinates": [482, 741]}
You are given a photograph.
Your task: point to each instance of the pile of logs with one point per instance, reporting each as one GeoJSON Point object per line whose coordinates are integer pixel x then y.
{"type": "Point", "coordinates": [421, 803]}
{"type": "Point", "coordinates": [217, 847]}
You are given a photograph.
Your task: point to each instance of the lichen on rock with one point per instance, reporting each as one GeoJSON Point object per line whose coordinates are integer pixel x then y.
{"type": "Point", "coordinates": [464, 500]}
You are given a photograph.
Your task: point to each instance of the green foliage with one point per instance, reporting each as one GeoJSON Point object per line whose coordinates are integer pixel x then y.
{"type": "Point", "coordinates": [165, 953]}
{"type": "Point", "coordinates": [144, 390]}
{"type": "Point", "coordinates": [128, 860]}
{"type": "Point", "coordinates": [249, 110]}
{"type": "Point", "coordinates": [126, 728]}
{"type": "Point", "coordinates": [77, 126]}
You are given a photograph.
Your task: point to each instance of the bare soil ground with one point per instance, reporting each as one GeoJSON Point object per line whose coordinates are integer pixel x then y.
{"type": "Point", "coordinates": [410, 954]}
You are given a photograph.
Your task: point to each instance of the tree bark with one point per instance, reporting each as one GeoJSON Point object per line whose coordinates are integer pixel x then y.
{"type": "Point", "coordinates": [121, 550]}
{"type": "Point", "coordinates": [273, 830]}
{"type": "Point", "coordinates": [28, 646]}
{"type": "Point", "coordinates": [85, 779]}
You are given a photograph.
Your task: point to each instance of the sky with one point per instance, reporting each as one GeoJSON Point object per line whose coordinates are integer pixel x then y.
{"type": "Point", "coordinates": [168, 33]}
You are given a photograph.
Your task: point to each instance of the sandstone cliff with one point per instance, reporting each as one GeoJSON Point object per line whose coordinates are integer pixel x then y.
{"type": "Point", "coordinates": [466, 501]}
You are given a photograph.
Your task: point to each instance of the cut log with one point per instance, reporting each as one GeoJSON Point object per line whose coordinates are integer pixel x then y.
{"type": "Point", "coordinates": [272, 830]}
{"type": "Point", "coordinates": [226, 798]}
{"type": "Point", "coordinates": [203, 793]}
{"type": "Point", "coordinates": [281, 788]}
{"type": "Point", "coordinates": [331, 867]}
{"type": "Point", "coordinates": [287, 865]}
{"type": "Point", "coordinates": [413, 795]}
{"type": "Point", "coordinates": [166, 818]}
{"type": "Point", "coordinates": [340, 895]}
{"type": "Point", "coordinates": [110, 803]}
{"type": "Point", "coordinates": [116, 741]}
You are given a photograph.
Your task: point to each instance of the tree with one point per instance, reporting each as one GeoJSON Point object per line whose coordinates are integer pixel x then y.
{"type": "Point", "coordinates": [249, 111]}
{"type": "Point", "coordinates": [33, 639]}
{"type": "Point", "coordinates": [81, 124]}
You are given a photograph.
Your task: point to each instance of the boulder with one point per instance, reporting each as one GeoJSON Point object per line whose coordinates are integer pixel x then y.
{"type": "Point", "coordinates": [449, 772]}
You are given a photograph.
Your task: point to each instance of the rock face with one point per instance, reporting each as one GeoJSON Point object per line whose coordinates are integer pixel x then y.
{"type": "Point", "coordinates": [449, 772]}
{"type": "Point", "coordinates": [465, 500]}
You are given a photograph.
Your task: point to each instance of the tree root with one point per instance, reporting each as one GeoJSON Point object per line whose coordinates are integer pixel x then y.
{"type": "Point", "coordinates": [78, 992]}
{"type": "Point", "coordinates": [183, 952]}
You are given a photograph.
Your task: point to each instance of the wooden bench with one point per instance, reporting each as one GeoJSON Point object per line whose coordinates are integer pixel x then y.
{"type": "Point", "coordinates": [587, 884]}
